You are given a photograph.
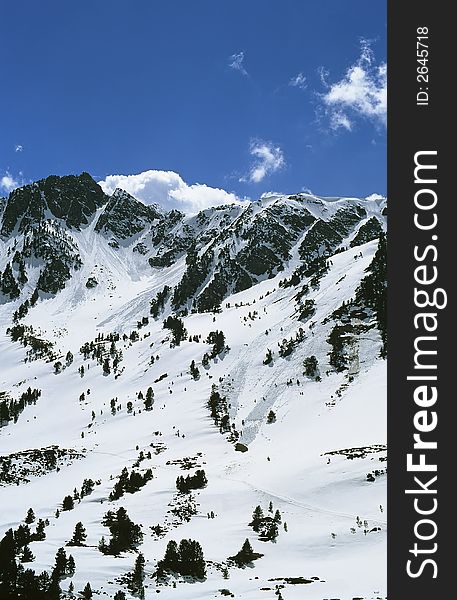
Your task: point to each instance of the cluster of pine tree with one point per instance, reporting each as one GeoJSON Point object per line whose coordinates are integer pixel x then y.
{"type": "Point", "coordinates": [17, 583]}
{"type": "Point", "coordinates": [219, 411]}
{"type": "Point", "coordinates": [129, 483]}
{"type": "Point", "coordinates": [24, 308]}
{"type": "Point", "coordinates": [286, 347]}
{"type": "Point", "coordinates": [217, 338]}
{"type": "Point", "coordinates": [186, 559]}
{"type": "Point", "coordinates": [10, 410]}
{"type": "Point", "coordinates": [265, 525]}
{"type": "Point", "coordinates": [176, 326]}
{"type": "Point", "coordinates": [25, 334]}
{"type": "Point", "coordinates": [338, 339]}
{"type": "Point", "coordinates": [148, 400]}
{"type": "Point", "coordinates": [306, 309]}
{"type": "Point", "coordinates": [97, 350]}
{"type": "Point", "coordinates": [310, 364]}
{"type": "Point", "coordinates": [191, 482]}
{"type": "Point", "coordinates": [125, 535]}
{"type": "Point", "coordinates": [8, 284]}
{"type": "Point", "coordinates": [158, 303]}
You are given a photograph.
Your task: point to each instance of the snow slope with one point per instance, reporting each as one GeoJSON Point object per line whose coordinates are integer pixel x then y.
{"type": "Point", "coordinates": [336, 518]}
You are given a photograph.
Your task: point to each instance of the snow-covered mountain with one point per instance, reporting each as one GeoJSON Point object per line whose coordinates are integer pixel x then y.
{"type": "Point", "coordinates": [141, 347]}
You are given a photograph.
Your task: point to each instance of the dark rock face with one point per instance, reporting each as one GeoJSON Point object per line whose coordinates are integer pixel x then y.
{"type": "Point", "coordinates": [124, 216]}
{"type": "Point", "coordinates": [72, 198]}
{"type": "Point", "coordinates": [324, 236]}
{"type": "Point", "coordinates": [368, 231]}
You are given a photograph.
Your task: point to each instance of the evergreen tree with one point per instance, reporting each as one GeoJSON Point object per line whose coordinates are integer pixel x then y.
{"type": "Point", "coordinates": [79, 535]}
{"type": "Point", "coordinates": [34, 297]}
{"type": "Point", "coordinates": [310, 363]}
{"type": "Point", "coordinates": [87, 592]}
{"type": "Point", "coordinates": [245, 555]}
{"type": "Point", "coordinates": [68, 503]}
{"type": "Point", "coordinates": [257, 518]}
{"type": "Point", "coordinates": [22, 536]}
{"type": "Point", "coordinates": [137, 577]}
{"type": "Point", "coordinates": [171, 558]}
{"type": "Point", "coordinates": [120, 595]}
{"type": "Point", "coordinates": [27, 555]}
{"type": "Point", "coordinates": [40, 533]}
{"type": "Point", "coordinates": [194, 370]}
{"type": "Point", "coordinates": [71, 567]}
{"type": "Point", "coordinates": [30, 518]}
{"type": "Point", "coordinates": [271, 418]}
{"type": "Point", "coordinates": [60, 567]}
{"type": "Point", "coordinates": [268, 357]}
{"type": "Point", "coordinates": [106, 367]}
{"type": "Point", "coordinates": [149, 401]}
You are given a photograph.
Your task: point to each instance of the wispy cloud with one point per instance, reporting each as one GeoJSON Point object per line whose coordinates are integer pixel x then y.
{"type": "Point", "coordinates": [236, 62]}
{"type": "Point", "coordinates": [268, 159]}
{"type": "Point", "coordinates": [299, 81]}
{"type": "Point", "coordinates": [18, 148]}
{"type": "Point", "coordinates": [169, 190]}
{"type": "Point", "coordinates": [362, 92]}
{"type": "Point", "coordinates": [8, 183]}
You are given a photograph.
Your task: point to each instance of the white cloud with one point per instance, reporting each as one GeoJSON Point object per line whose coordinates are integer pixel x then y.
{"type": "Point", "coordinates": [362, 92]}
{"type": "Point", "coordinates": [18, 148]}
{"type": "Point", "coordinates": [169, 190]}
{"type": "Point", "coordinates": [298, 81]}
{"type": "Point", "coordinates": [236, 61]}
{"type": "Point", "coordinates": [8, 183]}
{"type": "Point", "coordinates": [268, 159]}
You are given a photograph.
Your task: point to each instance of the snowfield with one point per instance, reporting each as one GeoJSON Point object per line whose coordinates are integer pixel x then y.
{"type": "Point", "coordinates": [304, 462]}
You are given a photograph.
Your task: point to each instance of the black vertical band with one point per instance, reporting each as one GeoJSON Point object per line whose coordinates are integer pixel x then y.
{"type": "Point", "coordinates": [420, 120]}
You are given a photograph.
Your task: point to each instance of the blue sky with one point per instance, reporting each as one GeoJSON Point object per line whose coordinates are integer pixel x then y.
{"type": "Point", "coordinates": [248, 96]}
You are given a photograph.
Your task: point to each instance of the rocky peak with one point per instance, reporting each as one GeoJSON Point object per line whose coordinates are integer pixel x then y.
{"type": "Point", "coordinates": [125, 216]}
{"type": "Point", "coordinates": [72, 198]}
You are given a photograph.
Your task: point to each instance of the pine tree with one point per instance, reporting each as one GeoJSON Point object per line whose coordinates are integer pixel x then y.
{"type": "Point", "coordinates": [138, 574]}
{"type": "Point", "coordinates": [30, 518]}
{"type": "Point", "coordinates": [79, 535]}
{"type": "Point", "coordinates": [149, 401]}
{"type": "Point", "coordinates": [268, 357]}
{"type": "Point", "coordinates": [120, 595]}
{"type": "Point", "coordinates": [106, 367]}
{"type": "Point", "coordinates": [245, 555]}
{"type": "Point", "coordinates": [34, 297]}
{"type": "Point", "coordinates": [194, 370]}
{"type": "Point", "coordinates": [71, 567]}
{"type": "Point", "coordinates": [87, 592]}
{"type": "Point", "coordinates": [68, 503]}
{"type": "Point", "coordinates": [271, 418]}
{"type": "Point", "coordinates": [277, 517]}
{"type": "Point", "coordinates": [60, 567]}
{"type": "Point", "coordinates": [40, 533]}
{"type": "Point", "coordinates": [170, 561]}
{"type": "Point", "coordinates": [257, 518]}
{"type": "Point", "coordinates": [27, 555]}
